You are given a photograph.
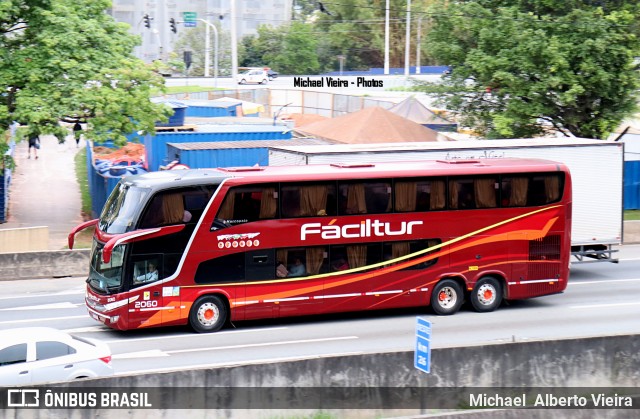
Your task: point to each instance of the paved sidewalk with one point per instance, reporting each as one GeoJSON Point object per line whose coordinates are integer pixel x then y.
{"type": "Point", "coordinates": [44, 191]}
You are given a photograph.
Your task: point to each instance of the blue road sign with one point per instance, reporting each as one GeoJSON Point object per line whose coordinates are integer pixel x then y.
{"type": "Point", "coordinates": [422, 358]}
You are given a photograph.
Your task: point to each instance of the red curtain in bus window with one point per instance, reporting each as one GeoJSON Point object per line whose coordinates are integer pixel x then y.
{"type": "Point", "coordinates": [226, 210]}
{"type": "Point", "coordinates": [485, 193]}
{"type": "Point", "coordinates": [313, 199]}
{"type": "Point", "coordinates": [172, 208]}
{"type": "Point", "coordinates": [357, 255]}
{"type": "Point", "coordinates": [315, 257]}
{"type": "Point", "coordinates": [551, 188]}
{"type": "Point", "coordinates": [437, 198]}
{"type": "Point", "coordinates": [406, 194]}
{"type": "Point", "coordinates": [268, 203]}
{"type": "Point", "coordinates": [519, 191]}
{"type": "Point", "coordinates": [356, 202]}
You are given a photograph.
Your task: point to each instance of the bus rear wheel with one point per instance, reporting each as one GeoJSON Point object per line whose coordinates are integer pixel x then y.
{"type": "Point", "coordinates": [447, 297]}
{"type": "Point", "coordinates": [208, 314]}
{"type": "Point", "coordinates": [486, 295]}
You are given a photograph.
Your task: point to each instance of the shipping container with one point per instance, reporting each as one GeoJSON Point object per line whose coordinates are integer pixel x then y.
{"type": "Point", "coordinates": [156, 146]}
{"type": "Point", "coordinates": [230, 153]}
{"type": "Point", "coordinates": [211, 108]}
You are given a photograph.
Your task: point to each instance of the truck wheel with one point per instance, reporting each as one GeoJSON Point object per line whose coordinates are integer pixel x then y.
{"type": "Point", "coordinates": [486, 295]}
{"type": "Point", "coordinates": [446, 297]}
{"type": "Point", "coordinates": [208, 314]}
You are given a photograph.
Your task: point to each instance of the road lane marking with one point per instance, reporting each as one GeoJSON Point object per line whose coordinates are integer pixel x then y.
{"type": "Point", "coordinates": [230, 332]}
{"type": "Point", "coordinates": [13, 297]}
{"type": "Point", "coordinates": [89, 329]}
{"type": "Point", "coordinates": [52, 306]}
{"type": "Point", "coordinates": [257, 345]}
{"type": "Point", "coordinates": [603, 281]}
{"type": "Point", "coordinates": [607, 305]}
{"type": "Point", "coordinates": [43, 319]}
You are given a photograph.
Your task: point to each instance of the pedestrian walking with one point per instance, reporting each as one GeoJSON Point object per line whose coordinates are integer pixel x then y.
{"type": "Point", "coordinates": [34, 142]}
{"type": "Point", "coordinates": [77, 133]}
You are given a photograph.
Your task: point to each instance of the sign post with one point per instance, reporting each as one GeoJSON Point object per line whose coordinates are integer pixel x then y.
{"type": "Point", "coordinates": [422, 358]}
{"type": "Point", "coordinates": [190, 19]}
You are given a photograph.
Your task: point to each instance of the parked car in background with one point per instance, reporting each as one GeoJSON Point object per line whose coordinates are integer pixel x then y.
{"type": "Point", "coordinates": [272, 74]}
{"type": "Point", "coordinates": [253, 76]}
{"type": "Point", "coordinates": [42, 354]}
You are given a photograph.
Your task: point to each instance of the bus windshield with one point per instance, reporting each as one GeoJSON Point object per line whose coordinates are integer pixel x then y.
{"type": "Point", "coordinates": [122, 209]}
{"type": "Point", "coordinates": [106, 277]}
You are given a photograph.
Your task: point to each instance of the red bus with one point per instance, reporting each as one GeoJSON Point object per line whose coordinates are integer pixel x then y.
{"type": "Point", "coordinates": [207, 247]}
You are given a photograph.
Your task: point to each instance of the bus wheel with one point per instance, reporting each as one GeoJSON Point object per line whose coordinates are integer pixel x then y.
{"type": "Point", "coordinates": [486, 295]}
{"type": "Point", "coordinates": [208, 314]}
{"type": "Point", "coordinates": [446, 297]}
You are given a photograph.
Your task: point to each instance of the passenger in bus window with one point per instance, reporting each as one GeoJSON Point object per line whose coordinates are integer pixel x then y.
{"type": "Point", "coordinates": [150, 276]}
{"type": "Point", "coordinates": [297, 269]}
{"type": "Point", "coordinates": [281, 270]}
{"type": "Point", "coordinates": [340, 264]}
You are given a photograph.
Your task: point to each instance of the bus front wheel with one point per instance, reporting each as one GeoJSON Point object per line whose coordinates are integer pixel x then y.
{"type": "Point", "coordinates": [208, 314]}
{"type": "Point", "coordinates": [447, 297]}
{"type": "Point", "coordinates": [486, 295]}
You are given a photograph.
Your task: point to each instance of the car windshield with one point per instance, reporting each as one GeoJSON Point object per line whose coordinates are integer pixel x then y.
{"type": "Point", "coordinates": [106, 277]}
{"type": "Point", "coordinates": [122, 209]}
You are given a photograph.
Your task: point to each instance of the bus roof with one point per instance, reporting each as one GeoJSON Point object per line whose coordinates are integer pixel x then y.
{"type": "Point", "coordinates": [359, 170]}
{"type": "Point", "coordinates": [177, 178]}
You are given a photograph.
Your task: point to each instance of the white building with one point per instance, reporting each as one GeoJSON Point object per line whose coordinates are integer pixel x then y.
{"type": "Point", "coordinates": [158, 40]}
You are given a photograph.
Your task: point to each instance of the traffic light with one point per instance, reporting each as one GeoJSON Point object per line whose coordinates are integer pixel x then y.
{"type": "Point", "coordinates": [172, 22]}
{"type": "Point", "coordinates": [147, 21]}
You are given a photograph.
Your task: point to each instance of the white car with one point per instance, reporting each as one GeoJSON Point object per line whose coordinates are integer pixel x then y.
{"type": "Point", "coordinates": [42, 354]}
{"type": "Point", "coordinates": [253, 76]}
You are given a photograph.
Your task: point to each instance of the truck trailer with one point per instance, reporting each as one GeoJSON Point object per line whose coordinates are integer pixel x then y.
{"type": "Point", "coordinates": [596, 169]}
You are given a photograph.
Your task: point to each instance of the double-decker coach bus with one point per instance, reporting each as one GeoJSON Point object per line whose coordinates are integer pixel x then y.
{"type": "Point", "coordinates": [207, 247]}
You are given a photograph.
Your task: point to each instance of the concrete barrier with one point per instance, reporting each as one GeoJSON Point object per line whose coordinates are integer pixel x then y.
{"type": "Point", "coordinates": [25, 239]}
{"type": "Point", "coordinates": [631, 232]}
{"type": "Point", "coordinates": [50, 264]}
{"type": "Point", "coordinates": [578, 365]}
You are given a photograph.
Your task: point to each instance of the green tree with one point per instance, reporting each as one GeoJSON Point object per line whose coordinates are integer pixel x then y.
{"type": "Point", "coordinates": [194, 40]}
{"type": "Point", "coordinates": [67, 61]}
{"type": "Point", "coordinates": [517, 73]}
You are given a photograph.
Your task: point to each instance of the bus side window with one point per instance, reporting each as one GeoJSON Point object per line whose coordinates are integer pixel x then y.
{"type": "Point", "coordinates": [247, 204]}
{"type": "Point", "coordinates": [366, 197]}
{"type": "Point", "coordinates": [308, 199]}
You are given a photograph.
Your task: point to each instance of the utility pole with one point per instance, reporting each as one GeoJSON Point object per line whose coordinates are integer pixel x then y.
{"type": "Point", "coordinates": [386, 38]}
{"type": "Point", "coordinates": [234, 41]}
{"type": "Point", "coordinates": [207, 51]}
{"type": "Point", "coordinates": [418, 45]}
{"type": "Point", "coordinates": [407, 53]}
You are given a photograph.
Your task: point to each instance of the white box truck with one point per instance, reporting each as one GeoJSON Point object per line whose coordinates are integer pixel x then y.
{"type": "Point", "coordinates": [596, 169]}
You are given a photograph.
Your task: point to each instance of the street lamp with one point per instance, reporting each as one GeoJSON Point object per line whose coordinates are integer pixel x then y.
{"type": "Point", "coordinates": [207, 51]}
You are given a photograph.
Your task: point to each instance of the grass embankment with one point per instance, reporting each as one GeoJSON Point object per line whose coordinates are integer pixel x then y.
{"type": "Point", "coordinates": [632, 215]}
{"type": "Point", "coordinates": [83, 239]}
{"type": "Point", "coordinates": [171, 90]}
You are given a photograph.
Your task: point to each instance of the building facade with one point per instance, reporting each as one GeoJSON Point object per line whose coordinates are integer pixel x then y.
{"type": "Point", "coordinates": [158, 40]}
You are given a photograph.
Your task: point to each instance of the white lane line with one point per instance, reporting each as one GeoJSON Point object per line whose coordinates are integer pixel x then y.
{"type": "Point", "coordinates": [607, 305]}
{"type": "Point", "coordinates": [232, 363]}
{"type": "Point", "coordinates": [604, 281]}
{"type": "Point", "coordinates": [44, 319]}
{"type": "Point", "coordinates": [195, 335]}
{"type": "Point", "coordinates": [141, 354]}
{"type": "Point", "coordinates": [257, 345]}
{"type": "Point", "coordinates": [13, 297]}
{"type": "Point", "coordinates": [52, 306]}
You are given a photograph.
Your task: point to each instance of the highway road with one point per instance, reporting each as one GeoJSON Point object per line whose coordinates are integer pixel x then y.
{"type": "Point", "coordinates": [601, 299]}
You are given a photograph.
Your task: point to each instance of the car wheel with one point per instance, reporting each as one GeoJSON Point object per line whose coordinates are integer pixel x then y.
{"type": "Point", "coordinates": [243, 81]}
{"type": "Point", "coordinates": [486, 295]}
{"type": "Point", "coordinates": [208, 314]}
{"type": "Point", "coordinates": [264, 81]}
{"type": "Point", "coordinates": [447, 297]}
